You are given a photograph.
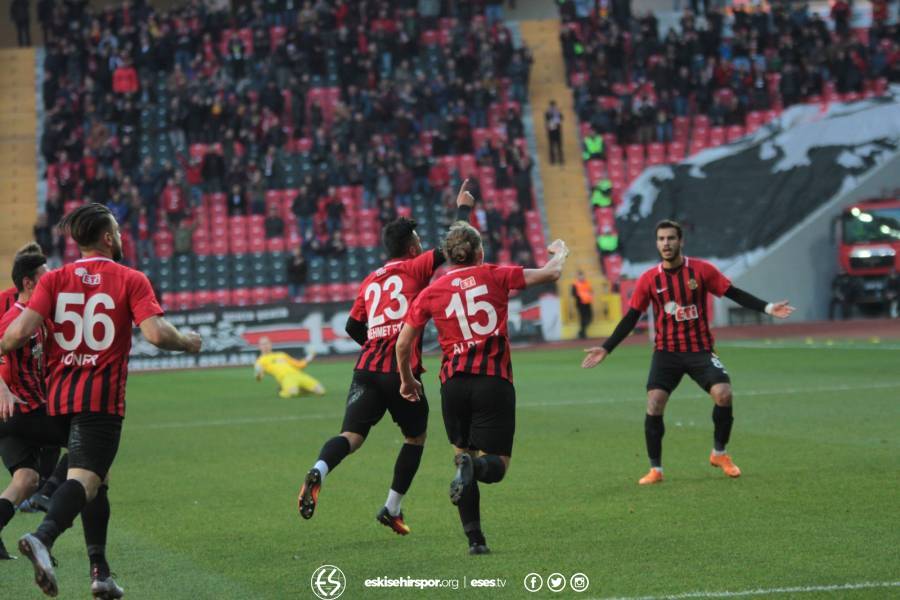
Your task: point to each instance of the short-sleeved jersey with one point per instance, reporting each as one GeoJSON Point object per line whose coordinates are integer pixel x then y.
{"type": "Point", "coordinates": [469, 306]}
{"type": "Point", "coordinates": [7, 299]}
{"type": "Point", "coordinates": [279, 365]}
{"type": "Point", "coordinates": [679, 300]}
{"type": "Point", "coordinates": [92, 304]}
{"type": "Point", "coordinates": [23, 369]}
{"type": "Point", "coordinates": [382, 303]}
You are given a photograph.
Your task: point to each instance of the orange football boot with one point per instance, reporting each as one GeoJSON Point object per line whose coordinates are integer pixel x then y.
{"type": "Point", "coordinates": [654, 476]}
{"type": "Point", "coordinates": [723, 461]}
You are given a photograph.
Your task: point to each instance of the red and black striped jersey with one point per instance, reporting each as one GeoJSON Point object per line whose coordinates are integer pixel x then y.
{"type": "Point", "coordinates": [7, 299]}
{"type": "Point", "coordinates": [23, 369]}
{"type": "Point", "coordinates": [383, 301]}
{"type": "Point", "coordinates": [680, 307]}
{"type": "Point", "coordinates": [469, 306]}
{"type": "Point", "coordinates": [92, 304]}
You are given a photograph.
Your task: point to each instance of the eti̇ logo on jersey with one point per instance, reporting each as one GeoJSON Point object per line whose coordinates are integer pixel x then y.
{"type": "Point", "coordinates": [87, 278]}
{"type": "Point", "coordinates": [681, 313]}
{"type": "Point", "coordinates": [328, 582]}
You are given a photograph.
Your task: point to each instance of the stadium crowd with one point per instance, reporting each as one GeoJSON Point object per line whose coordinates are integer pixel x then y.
{"type": "Point", "coordinates": [161, 115]}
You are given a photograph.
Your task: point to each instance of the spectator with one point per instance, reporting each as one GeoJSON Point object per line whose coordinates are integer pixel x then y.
{"type": "Point", "coordinates": [593, 146]}
{"type": "Point", "coordinates": [125, 78]}
{"type": "Point", "coordinates": [553, 124]}
{"type": "Point", "coordinates": [173, 201]}
{"type": "Point", "coordinates": [387, 211]}
{"type": "Point", "coordinates": [237, 201]}
{"type": "Point", "coordinates": [514, 127]}
{"type": "Point", "coordinates": [583, 296]}
{"type": "Point", "coordinates": [183, 237]}
{"type": "Point", "coordinates": [274, 224]}
{"type": "Point", "coordinates": [20, 15]}
{"type": "Point", "coordinates": [334, 210]}
{"type": "Point", "coordinates": [297, 269]}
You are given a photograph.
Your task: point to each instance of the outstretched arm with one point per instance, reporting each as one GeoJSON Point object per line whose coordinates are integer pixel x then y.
{"type": "Point", "coordinates": [20, 331]}
{"type": "Point", "coordinates": [553, 269]}
{"type": "Point", "coordinates": [465, 201]}
{"type": "Point", "coordinates": [781, 310]}
{"type": "Point", "coordinates": [409, 387]}
{"type": "Point", "coordinates": [596, 355]}
{"type": "Point", "coordinates": [165, 336]}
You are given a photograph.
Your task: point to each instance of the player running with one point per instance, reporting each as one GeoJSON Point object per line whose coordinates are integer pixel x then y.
{"type": "Point", "coordinates": [469, 305]}
{"type": "Point", "coordinates": [93, 303]}
{"type": "Point", "coordinates": [678, 289]}
{"type": "Point", "coordinates": [375, 320]}
{"type": "Point", "coordinates": [287, 371]}
{"type": "Point", "coordinates": [23, 389]}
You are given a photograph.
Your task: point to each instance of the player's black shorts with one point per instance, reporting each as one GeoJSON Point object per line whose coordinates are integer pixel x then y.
{"type": "Point", "coordinates": [667, 369]}
{"type": "Point", "coordinates": [93, 441]}
{"type": "Point", "coordinates": [371, 394]}
{"type": "Point", "coordinates": [24, 435]}
{"type": "Point", "coordinates": [480, 412]}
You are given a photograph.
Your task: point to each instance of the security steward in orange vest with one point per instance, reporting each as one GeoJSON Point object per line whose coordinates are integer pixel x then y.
{"type": "Point", "coordinates": [583, 294]}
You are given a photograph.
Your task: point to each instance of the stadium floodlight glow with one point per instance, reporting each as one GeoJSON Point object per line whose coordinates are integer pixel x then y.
{"type": "Point", "coordinates": [865, 217]}
{"type": "Point", "coordinates": [855, 211]}
{"type": "Point", "coordinates": [870, 252]}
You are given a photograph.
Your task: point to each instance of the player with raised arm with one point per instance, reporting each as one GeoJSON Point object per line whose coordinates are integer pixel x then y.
{"type": "Point", "coordinates": [287, 371]}
{"type": "Point", "coordinates": [469, 305]}
{"type": "Point", "coordinates": [678, 287]}
{"type": "Point", "coordinates": [374, 323]}
{"type": "Point", "coordinates": [93, 304]}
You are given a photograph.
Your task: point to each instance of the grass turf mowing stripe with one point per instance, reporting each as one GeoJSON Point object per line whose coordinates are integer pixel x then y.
{"type": "Point", "coordinates": [766, 592]}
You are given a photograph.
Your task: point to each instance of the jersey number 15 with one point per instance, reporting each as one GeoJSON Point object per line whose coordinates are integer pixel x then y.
{"type": "Point", "coordinates": [473, 306]}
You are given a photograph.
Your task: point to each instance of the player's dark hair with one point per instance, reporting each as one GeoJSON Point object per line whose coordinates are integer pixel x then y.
{"type": "Point", "coordinates": [30, 248]}
{"type": "Point", "coordinates": [462, 244]}
{"type": "Point", "coordinates": [669, 224]}
{"type": "Point", "coordinates": [87, 223]}
{"type": "Point", "coordinates": [397, 237]}
{"type": "Point", "coordinates": [26, 265]}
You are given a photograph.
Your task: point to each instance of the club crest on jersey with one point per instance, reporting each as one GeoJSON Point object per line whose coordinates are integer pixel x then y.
{"type": "Point", "coordinates": [465, 284]}
{"type": "Point", "coordinates": [682, 313]}
{"type": "Point", "coordinates": [87, 278]}
{"type": "Point", "coordinates": [692, 283]}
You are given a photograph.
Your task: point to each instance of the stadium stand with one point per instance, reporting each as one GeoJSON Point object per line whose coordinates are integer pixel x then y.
{"type": "Point", "coordinates": [717, 78]}
{"type": "Point", "coordinates": [209, 133]}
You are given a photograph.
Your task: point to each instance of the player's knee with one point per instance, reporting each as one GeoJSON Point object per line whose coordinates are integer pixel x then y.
{"type": "Point", "coordinates": [418, 440]}
{"type": "Point", "coordinates": [721, 395]}
{"type": "Point", "coordinates": [355, 440]}
{"type": "Point", "coordinates": [26, 481]}
{"type": "Point", "coordinates": [656, 402]}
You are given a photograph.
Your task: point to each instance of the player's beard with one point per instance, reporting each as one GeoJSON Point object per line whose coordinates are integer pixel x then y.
{"type": "Point", "coordinates": [676, 254]}
{"type": "Point", "coordinates": [117, 253]}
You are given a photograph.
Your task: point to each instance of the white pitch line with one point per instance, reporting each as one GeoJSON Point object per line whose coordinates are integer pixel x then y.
{"type": "Point", "coordinates": [766, 592]}
{"type": "Point", "coordinates": [636, 398]}
{"type": "Point", "coordinates": [738, 393]}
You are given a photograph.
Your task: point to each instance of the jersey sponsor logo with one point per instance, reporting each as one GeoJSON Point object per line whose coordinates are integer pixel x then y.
{"type": "Point", "coordinates": [682, 313]}
{"type": "Point", "coordinates": [87, 278]}
{"type": "Point", "coordinates": [464, 284]}
{"type": "Point", "coordinates": [80, 360]}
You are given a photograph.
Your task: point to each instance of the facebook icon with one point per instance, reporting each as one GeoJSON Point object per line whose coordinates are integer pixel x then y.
{"type": "Point", "coordinates": [533, 582]}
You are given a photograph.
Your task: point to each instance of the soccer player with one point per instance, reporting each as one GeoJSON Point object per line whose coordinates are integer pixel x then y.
{"type": "Point", "coordinates": [375, 320]}
{"type": "Point", "coordinates": [287, 371]}
{"type": "Point", "coordinates": [8, 296]}
{"type": "Point", "coordinates": [24, 390]}
{"type": "Point", "coordinates": [469, 305]}
{"type": "Point", "coordinates": [678, 288]}
{"type": "Point", "coordinates": [93, 303]}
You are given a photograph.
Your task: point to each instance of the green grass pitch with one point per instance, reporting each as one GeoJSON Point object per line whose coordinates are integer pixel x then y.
{"type": "Point", "coordinates": [204, 488]}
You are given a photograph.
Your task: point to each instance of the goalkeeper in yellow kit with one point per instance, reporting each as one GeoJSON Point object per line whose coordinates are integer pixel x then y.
{"type": "Point", "coordinates": [287, 371]}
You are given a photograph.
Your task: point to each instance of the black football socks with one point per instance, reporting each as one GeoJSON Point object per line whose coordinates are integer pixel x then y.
{"type": "Point", "coordinates": [722, 420]}
{"type": "Point", "coordinates": [7, 511]}
{"type": "Point", "coordinates": [67, 502]}
{"type": "Point", "coordinates": [406, 466]}
{"type": "Point", "coordinates": [654, 430]}
{"type": "Point", "coordinates": [489, 468]}
{"type": "Point", "coordinates": [334, 451]}
{"type": "Point", "coordinates": [95, 520]}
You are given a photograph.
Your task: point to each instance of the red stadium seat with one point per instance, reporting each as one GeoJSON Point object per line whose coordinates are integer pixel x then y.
{"type": "Point", "coordinates": [612, 267]}
{"type": "Point", "coordinates": [168, 301]}
{"type": "Point", "coordinates": [184, 300]}
{"type": "Point", "coordinates": [279, 293]}
{"type": "Point", "coordinates": [241, 297]}
{"type": "Point", "coordinates": [675, 152]}
{"type": "Point", "coordinates": [275, 245]}
{"type": "Point", "coordinates": [261, 295]}
{"type": "Point", "coordinates": [222, 297]}
{"type": "Point", "coordinates": [735, 132]}
{"type": "Point", "coordinates": [203, 298]}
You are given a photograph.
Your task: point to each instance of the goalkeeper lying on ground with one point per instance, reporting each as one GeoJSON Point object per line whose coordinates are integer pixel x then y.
{"type": "Point", "coordinates": [287, 371]}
